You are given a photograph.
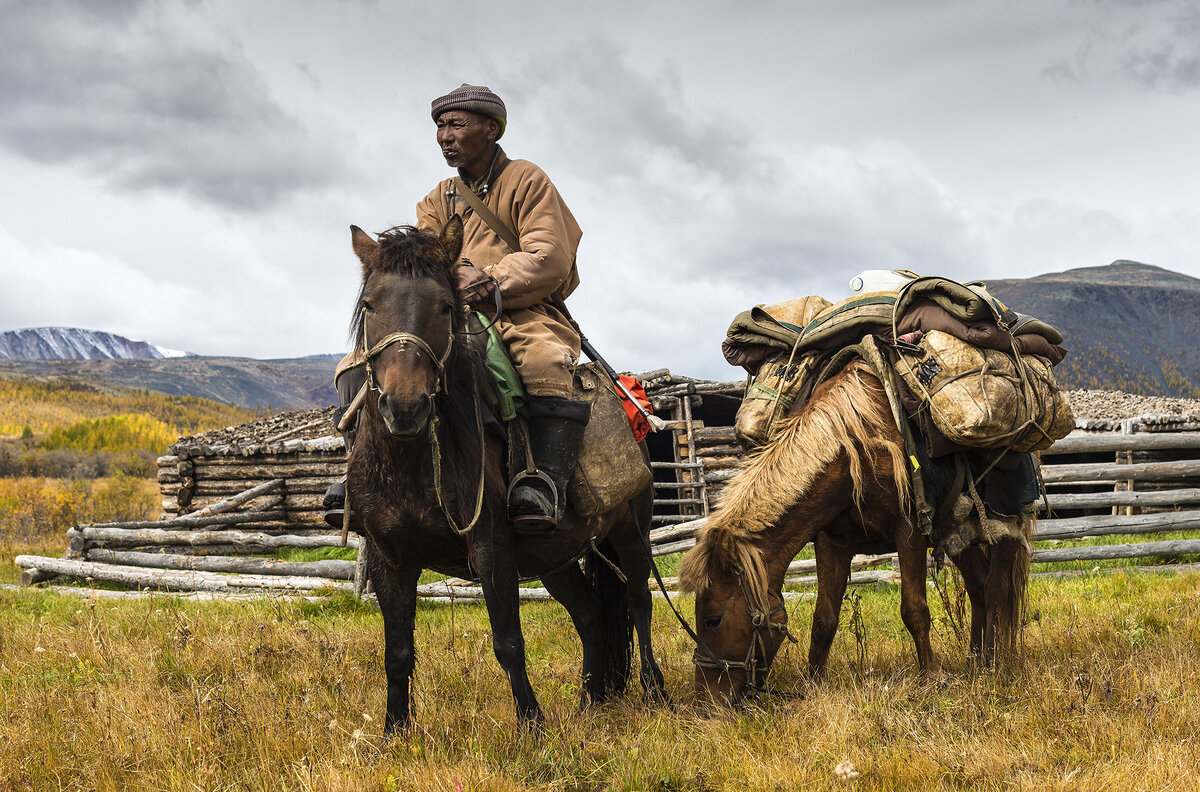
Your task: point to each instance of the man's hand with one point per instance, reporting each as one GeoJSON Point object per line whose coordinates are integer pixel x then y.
{"type": "Point", "coordinates": [474, 285]}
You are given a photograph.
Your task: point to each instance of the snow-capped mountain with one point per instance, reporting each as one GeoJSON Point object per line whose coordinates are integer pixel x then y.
{"type": "Point", "coordinates": [72, 343]}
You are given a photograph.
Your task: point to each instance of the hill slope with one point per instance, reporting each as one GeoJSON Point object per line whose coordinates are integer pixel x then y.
{"type": "Point", "coordinates": [291, 384]}
{"type": "Point", "coordinates": [1128, 326]}
{"type": "Point", "coordinates": [72, 343]}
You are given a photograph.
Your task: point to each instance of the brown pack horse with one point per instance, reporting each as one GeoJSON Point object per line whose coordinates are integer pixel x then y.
{"type": "Point", "coordinates": [834, 473]}
{"type": "Point", "coordinates": [427, 481]}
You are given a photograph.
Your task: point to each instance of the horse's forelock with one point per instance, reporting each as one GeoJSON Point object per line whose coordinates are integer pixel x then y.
{"type": "Point", "coordinates": [410, 251]}
{"type": "Point", "coordinates": [719, 552]}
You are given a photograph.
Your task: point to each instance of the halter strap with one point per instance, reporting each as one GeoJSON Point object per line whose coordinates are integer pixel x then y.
{"type": "Point", "coordinates": [761, 622]}
{"type": "Point", "coordinates": [404, 338]}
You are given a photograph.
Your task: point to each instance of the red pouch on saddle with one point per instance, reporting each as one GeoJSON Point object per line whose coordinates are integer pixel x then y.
{"type": "Point", "coordinates": [637, 421]}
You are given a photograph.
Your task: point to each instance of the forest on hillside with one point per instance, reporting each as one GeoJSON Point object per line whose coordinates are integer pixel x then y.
{"type": "Point", "coordinates": [68, 429]}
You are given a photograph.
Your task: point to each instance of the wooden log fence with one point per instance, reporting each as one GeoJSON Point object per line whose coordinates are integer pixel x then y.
{"type": "Point", "coordinates": [173, 580]}
{"type": "Point", "coordinates": [225, 504]}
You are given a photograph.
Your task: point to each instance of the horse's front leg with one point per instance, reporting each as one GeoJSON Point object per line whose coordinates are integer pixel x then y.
{"type": "Point", "coordinates": [914, 605]}
{"type": "Point", "coordinates": [833, 572]}
{"type": "Point", "coordinates": [498, 577]}
{"type": "Point", "coordinates": [396, 590]}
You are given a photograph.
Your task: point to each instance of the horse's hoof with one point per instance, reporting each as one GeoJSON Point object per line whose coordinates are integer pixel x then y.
{"type": "Point", "coordinates": [935, 678]}
{"type": "Point", "coordinates": [659, 698]}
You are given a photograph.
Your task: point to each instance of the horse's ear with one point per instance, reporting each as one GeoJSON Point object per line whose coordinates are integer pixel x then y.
{"type": "Point", "coordinates": [364, 247]}
{"type": "Point", "coordinates": [452, 238]}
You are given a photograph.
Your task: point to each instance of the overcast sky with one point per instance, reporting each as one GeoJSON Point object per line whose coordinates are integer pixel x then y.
{"type": "Point", "coordinates": [185, 172]}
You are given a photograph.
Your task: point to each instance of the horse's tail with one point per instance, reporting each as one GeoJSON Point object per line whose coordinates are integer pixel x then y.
{"type": "Point", "coordinates": [617, 622]}
{"type": "Point", "coordinates": [1010, 614]}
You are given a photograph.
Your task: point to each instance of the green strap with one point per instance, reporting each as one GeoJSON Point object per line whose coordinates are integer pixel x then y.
{"type": "Point", "coordinates": [759, 391]}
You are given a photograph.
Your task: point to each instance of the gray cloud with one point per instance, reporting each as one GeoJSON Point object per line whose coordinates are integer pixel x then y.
{"type": "Point", "coordinates": [709, 197]}
{"type": "Point", "coordinates": [115, 88]}
{"type": "Point", "coordinates": [1175, 62]}
{"type": "Point", "coordinates": [1160, 51]}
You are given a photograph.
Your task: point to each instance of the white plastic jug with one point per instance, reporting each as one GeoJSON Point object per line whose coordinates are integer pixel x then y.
{"type": "Point", "coordinates": [875, 280]}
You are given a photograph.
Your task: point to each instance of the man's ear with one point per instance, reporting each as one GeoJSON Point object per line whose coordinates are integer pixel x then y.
{"type": "Point", "coordinates": [493, 129]}
{"type": "Point", "coordinates": [452, 238]}
{"type": "Point", "coordinates": [365, 248]}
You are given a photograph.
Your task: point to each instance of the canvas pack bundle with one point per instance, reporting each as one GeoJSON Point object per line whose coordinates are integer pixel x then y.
{"type": "Point", "coordinates": [985, 398]}
{"type": "Point", "coordinates": [777, 382]}
{"type": "Point", "coordinates": [771, 394]}
{"type": "Point", "coordinates": [610, 468]}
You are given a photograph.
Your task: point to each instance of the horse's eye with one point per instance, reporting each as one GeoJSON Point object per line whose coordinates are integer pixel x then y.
{"type": "Point", "coordinates": [447, 309]}
{"type": "Point", "coordinates": [714, 622]}
{"type": "Point", "coordinates": [367, 307]}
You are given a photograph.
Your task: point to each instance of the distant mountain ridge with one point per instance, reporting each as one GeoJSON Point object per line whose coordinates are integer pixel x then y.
{"type": "Point", "coordinates": [1127, 326]}
{"type": "Point", "coordinates": [72, 343]}
{"type": "Point", "coordinates": [289, 384]}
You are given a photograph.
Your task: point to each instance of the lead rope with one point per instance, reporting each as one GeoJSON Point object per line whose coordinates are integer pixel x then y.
{"type": "Point", "coordinates": [436, 450]}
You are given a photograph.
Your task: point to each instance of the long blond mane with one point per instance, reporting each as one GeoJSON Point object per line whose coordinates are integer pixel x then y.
{"type": "Point", "coordinates": [848, 415]}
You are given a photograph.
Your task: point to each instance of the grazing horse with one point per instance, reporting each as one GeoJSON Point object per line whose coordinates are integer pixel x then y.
{"type": "Point", "coordinates": [427, 481]}
{"type": "Point", "coordinates": [834, 473]}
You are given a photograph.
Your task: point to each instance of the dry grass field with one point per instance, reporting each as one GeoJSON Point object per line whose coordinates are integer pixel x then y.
{"type": "Point", "coordinates": [164, 694]}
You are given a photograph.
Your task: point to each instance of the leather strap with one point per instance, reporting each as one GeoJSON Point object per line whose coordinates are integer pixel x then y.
{"type": "Point", "coordinates": [475, 202]}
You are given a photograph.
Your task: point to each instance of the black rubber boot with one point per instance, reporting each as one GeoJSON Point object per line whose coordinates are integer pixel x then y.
{"type": "Point", "coordinates": [556, 428]}
{"type": "Point", "coordinates": [334, 503]}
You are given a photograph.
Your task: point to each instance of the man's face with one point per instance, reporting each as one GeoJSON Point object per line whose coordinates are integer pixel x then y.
{"type": "Point", "coordinates": [465, 139]}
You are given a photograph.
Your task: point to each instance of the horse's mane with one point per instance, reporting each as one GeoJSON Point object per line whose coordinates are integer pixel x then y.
{"type": "Point", "coordinates": [848, 414]}
{"type": "Point", "coordinates": [408, 250]}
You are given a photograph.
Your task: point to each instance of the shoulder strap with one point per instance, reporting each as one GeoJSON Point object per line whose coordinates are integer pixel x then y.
{"type": "Point", "coordinates": [489, 217]}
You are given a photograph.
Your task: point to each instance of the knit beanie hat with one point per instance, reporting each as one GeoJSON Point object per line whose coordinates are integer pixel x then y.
{"type": "Point", "coordinates": [475, 98]}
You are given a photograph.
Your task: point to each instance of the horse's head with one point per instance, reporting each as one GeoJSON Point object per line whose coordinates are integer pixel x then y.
{"type": "Point", "coordinates": [406, 317]}
{"type": "Point", "coordinates": [739, 622]}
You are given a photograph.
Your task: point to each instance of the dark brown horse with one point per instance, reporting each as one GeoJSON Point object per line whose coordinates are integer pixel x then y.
{"type": "Point", "coordinates": [427, 481]}
{"type": "Point", "coordinates": [834, 474]}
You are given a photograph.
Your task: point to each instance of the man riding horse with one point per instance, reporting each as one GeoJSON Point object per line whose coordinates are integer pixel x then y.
{"type": "Point", "coordinates": [532, 277]}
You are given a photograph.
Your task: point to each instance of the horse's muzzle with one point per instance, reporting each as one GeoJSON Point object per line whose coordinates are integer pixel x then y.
{"type": "Point", "coordinates": [405, 420]}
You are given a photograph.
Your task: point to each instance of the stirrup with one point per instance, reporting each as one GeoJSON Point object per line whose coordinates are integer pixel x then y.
{"type": "Point", "coordinates": [537, 524]}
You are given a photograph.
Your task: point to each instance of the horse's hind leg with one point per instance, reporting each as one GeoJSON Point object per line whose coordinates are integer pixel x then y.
{"type": "Point", "coordinates": [570, 587]}
{"type": "Point", "coordinates": [1003, 600]}
{"type": "Point", "coordinates": [833, 571]}
{"type": "Point", "coordinates": [914, 605]}
{"type": "Point", "coordinates": [396, 590]}
{"type": "Point", "coordinates": [973, 564]}
{"type": "Point", "coordinates": [634, 555]}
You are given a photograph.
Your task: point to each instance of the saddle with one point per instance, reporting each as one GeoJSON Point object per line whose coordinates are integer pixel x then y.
{"type": "Point", "coordinates": [609, 469]}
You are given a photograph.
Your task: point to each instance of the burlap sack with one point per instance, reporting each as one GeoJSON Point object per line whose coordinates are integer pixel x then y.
{"type": "Point", "coordinates": [610, 468]}
{"type": "Point", "coordinates": [984, 398]}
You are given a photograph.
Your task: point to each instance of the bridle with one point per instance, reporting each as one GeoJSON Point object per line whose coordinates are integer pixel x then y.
{"type": "Point", "coordinates": [761, 624]}
{"type": "Point", "coordinates": [403, 339]}
{"type": "Point", "coordinates": [439, 364]}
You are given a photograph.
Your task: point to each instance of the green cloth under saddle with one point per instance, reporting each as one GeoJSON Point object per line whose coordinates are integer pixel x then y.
{"type": "Point", "coordinates": [510, 392]}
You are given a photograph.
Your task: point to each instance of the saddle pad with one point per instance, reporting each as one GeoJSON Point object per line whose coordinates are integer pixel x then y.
{"type": "Point", "coordinates": [610, 468]}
